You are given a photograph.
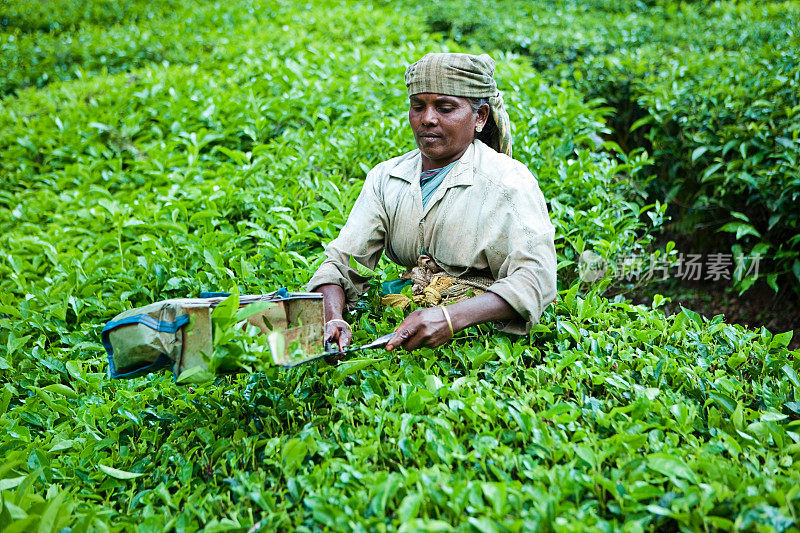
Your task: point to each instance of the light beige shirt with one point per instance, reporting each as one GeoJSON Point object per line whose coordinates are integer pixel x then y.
{"type": "Point", "coordinates": [488, 218]}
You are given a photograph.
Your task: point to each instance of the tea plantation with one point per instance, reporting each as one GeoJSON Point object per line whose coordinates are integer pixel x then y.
{"type": "Point", "coordinates": [158, 149]}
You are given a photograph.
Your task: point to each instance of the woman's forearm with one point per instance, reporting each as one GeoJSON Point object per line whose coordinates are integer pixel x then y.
{"type": "Point", "coordinates": [478, 309]}
{"type": "Point", "coordinates": [337, 330]}
{"type": "Point", "coordinates": [333, 300]}
{"type": "Point", "coordinates": [429, 327]}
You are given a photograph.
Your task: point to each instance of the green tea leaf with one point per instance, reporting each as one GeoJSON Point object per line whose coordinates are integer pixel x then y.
{"type": "Point", "coordinates": [118, 474]}
{"type": "Point", "coordinates": [195, 374]}
{"type": "Point", "coordinates": [671, 467]}
{"type": "Point", "coordinates": [251, 309]}
{"type": "Point", "coordinates": [361, 269]}
{"type": "Point", "coordinates": [63, 390]}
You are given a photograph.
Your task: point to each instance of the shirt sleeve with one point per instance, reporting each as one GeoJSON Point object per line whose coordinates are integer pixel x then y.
{"type": "Point", "coordinates": [363, 237]}
{"type": "Point", "coordinates": [527, 275]}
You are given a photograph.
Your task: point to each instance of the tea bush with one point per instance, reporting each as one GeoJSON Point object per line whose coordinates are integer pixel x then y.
{"type": "Point", "coordinates": [707, 88]}
{"type": "Point", "coordinates": [232, 172]}
{"type": "Point", "coordinates": [46, 41]}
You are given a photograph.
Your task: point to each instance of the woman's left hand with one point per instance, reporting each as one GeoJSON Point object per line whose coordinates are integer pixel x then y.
{"type": "Point", "coordinates": [423, 327]}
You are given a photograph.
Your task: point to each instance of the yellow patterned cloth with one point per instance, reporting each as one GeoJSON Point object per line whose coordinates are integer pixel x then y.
{"type": "Point", "coordinates": [466, 75]}
{"type": "Point", "coordinates": [432, 287]}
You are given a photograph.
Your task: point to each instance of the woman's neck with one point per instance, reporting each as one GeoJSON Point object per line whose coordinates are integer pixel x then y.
{"type": "Point", "coordinates": [432, 164]}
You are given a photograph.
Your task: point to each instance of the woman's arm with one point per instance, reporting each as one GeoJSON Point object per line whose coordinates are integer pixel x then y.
{"type": "Point", "coordinates": [336, 328]}
{"type": "Point", "coordinates": [429, 327]}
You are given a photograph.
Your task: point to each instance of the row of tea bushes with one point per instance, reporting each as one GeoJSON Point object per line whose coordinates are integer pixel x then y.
{"type": "Point", "coordinates": [42, 42]}
{"type": "Point", "coordinates": [34, 16]}
{"type": "Point", "coordinates": [611, 416]}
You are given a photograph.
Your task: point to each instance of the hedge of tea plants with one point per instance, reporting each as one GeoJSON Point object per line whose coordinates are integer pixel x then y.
{"type": "Point", "coordinates": [230, 170]}
{"type": "Point", "coordinates": [708, 88]}
{"type": "Point", "coordinates": [43, 42]}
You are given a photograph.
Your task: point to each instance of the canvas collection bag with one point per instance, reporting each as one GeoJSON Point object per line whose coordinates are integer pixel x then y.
{"type": "Point", "coordinates": [178, 333]}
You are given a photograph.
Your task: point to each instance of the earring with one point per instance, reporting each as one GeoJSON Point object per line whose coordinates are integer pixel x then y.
{"type": "Point", "coordinates": [478, 128]}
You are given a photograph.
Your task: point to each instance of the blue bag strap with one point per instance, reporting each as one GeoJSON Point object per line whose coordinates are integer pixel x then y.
{"type": "Point", "coordinates": [158, 325]}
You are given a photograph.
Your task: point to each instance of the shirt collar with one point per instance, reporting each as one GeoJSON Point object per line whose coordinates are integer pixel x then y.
{"type": "Point", "coordinates": [461, 174]}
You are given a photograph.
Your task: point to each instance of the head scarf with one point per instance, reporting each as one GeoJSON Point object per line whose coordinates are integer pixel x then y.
{"type": "Point", "coordinates": [464, 75]}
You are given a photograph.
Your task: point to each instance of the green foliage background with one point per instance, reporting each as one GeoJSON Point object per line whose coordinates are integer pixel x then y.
{"type": "Point", "coordinates": [708, 88]}
{"type": "Point", "coordinates": [154, 150]}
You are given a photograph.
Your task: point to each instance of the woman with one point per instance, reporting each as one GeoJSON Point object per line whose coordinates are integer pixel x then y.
{"type": "Point", "coordinates": [455, 206]}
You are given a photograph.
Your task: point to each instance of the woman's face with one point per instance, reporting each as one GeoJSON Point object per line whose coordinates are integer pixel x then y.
{"type": "Point", "coordinates": [444, 126]}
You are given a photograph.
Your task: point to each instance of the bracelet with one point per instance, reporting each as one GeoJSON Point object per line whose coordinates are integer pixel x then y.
{"type": "Point", "coordinates": [343, 321]}
{"type": "Point", "coordinates": [446, 314]}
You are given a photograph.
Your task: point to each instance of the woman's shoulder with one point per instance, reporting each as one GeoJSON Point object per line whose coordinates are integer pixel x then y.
{"type": "Point", "coordinates": [508, 186]}
{"type": "Point", "coordinates": [500, 170]}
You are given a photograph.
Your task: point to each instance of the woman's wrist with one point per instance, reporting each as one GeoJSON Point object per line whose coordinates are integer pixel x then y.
{"type": "Point", "coordinates": [459, 318]}
{"type": "Point", "coordinates": [449, 320]}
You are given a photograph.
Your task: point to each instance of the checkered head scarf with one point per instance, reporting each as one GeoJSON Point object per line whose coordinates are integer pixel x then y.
{"type": "Point", "coordinates": [465, 75]}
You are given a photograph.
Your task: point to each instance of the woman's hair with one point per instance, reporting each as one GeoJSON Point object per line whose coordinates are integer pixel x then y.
{"type": "Point", "coordinates": [486, 133]}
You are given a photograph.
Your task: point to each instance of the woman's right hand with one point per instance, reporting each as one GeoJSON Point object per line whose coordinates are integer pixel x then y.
{"type": "Point", "coordinates": [338, 332]}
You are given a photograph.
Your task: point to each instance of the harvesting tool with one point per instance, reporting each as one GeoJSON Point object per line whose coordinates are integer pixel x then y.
{"type": "Point", "coordinates": [282, 357]}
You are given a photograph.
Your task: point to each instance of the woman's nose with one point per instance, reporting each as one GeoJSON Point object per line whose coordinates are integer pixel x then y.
{"type": "Point", "coordinates": [429, 117]}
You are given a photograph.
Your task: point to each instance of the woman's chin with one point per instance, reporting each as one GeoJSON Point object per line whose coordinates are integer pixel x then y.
{"type": "Point", "coordinates": [432, 153]}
